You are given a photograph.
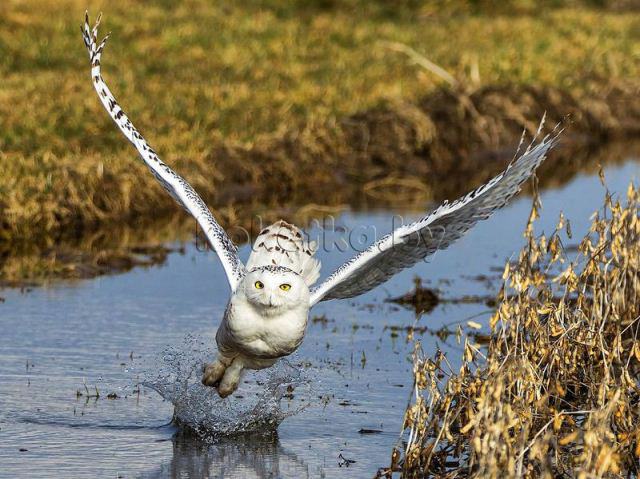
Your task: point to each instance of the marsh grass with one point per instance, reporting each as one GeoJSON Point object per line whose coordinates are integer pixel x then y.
{"type": "Point", "coordinates": [555, 393]}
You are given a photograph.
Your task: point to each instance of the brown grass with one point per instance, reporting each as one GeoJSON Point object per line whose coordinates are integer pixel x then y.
{"type": "Point", "coordinates": [74, 252]}
{"type": "Point", "coordinates": [417, 146]}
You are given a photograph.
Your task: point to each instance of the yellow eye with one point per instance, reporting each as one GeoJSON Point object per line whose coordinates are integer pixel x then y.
{"type": "Point", "coordinates": [285, 287]}
{"type": "Point", "coordinates": [259, 285]}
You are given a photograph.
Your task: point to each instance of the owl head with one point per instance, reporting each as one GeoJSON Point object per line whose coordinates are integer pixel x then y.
{"type": "Point", "coordinates": [275, 288]}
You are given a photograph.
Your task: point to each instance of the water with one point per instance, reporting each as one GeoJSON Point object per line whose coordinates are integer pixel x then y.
{"type": "Point", "coordinates": [351, 378]}
{"type": "Point", "coordinates": [176, 375]}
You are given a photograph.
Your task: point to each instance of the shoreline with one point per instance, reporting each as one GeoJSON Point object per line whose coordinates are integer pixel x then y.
{"type": "Point", "coordinates": [406, 155]}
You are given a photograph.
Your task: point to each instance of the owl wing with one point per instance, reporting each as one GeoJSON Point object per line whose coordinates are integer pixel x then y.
{"type": "Point", "coordinates": [175, 185]}
{"type": "Point", "coordinates": [409, 244]}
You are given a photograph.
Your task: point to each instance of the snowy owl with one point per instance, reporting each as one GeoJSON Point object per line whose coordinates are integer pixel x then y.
{"type": "Point", "coordinates": [266, 316]}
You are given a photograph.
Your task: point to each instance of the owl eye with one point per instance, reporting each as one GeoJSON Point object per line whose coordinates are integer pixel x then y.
{"type": "Point", "coordinates": [259, 284]}
{"type": "Point", "coordinates": [285, 287]}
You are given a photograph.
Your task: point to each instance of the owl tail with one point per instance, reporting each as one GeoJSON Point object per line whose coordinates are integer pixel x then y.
{"type": "Point", "coordinates": [283, 244]}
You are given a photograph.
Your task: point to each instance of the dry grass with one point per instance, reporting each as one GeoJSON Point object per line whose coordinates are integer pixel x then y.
{"type": "Point", "coordinates": [556, 392]}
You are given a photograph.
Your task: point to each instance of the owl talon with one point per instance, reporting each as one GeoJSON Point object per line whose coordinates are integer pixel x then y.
{"type": "Point", "coordinates": [223, 392]}
{"type": "Point", "coordinates": [207, 382]}
{"type": "Point", "coordinates": [212, 373]}
{"type": "Point", "coordinates": [231, 378]}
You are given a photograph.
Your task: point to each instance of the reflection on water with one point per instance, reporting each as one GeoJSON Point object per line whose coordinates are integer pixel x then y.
{"type": "Point", "coordinates": [247, 456]}
{"type": "Point", "coordinates": [108, 334]}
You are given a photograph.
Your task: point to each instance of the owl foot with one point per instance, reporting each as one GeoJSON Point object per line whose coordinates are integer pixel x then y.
{"type": "Point", "coordinates": [231, 378]}
{"type": "Point", "coordinates": [213, 372]}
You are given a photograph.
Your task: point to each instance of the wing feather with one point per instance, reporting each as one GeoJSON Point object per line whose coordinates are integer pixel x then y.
{"type": "Point", "coordinates": [175, 185]}
{"type": "Point", "coordinates": [409, 244]}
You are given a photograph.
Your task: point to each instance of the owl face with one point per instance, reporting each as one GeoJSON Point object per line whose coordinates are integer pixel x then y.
{"type": "Point", "coordinates": [275, 288]}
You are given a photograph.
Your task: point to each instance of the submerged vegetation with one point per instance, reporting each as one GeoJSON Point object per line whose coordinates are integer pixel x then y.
{"type": "Point", "coordinates": [555, 393]}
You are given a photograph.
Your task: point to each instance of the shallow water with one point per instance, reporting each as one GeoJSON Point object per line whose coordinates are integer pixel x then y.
{"type": "Point", "coordinates": [60, 343]}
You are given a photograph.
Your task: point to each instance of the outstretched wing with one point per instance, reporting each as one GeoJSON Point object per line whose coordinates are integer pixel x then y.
{"type": "Point", "coordinates": [409, 244]}
{"type": "Point", "coordinates": [177, 187]}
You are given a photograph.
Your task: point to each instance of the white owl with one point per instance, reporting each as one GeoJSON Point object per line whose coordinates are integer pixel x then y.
{"type": "Point", "coordinates": [267, 313]}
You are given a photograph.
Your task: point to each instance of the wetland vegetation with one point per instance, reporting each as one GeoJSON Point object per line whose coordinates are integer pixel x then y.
{"type": "Point", "coordinates": [555, 391]}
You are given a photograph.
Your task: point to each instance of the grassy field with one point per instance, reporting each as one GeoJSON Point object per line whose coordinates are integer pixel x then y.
{"type": "Point", "coordinates": [278, 103]}
{"type": "Point", "coordinates": [190, 72]}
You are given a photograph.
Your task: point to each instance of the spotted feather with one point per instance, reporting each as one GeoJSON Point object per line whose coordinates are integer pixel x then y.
{"type": "Point", "coordinates": [175, 185]}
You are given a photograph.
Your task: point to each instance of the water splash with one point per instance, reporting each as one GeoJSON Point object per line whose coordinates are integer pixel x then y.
{"type": "Point", "coordinates": [257, 406]}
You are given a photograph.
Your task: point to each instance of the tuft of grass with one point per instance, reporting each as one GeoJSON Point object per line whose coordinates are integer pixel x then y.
{"type": "Point", "coordinates": [556, 391]}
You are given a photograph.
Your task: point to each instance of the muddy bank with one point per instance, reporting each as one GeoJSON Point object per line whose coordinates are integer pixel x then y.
{"type": "Point", "coordinates": [439, 147]}
{"type": "Point", "coordinates": [64, 262]}
{"type": "Point", "coordinates": [112, 250]}
{"type": "Point", "coordinates": [107, 248]}
{"type": "Point", "coordinates": [404, 155]}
